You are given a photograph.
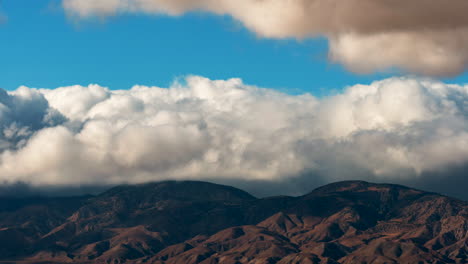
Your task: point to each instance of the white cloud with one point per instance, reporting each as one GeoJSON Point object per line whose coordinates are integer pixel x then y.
{"type": "Point", "coordinates": [434, 53]}
{"type": "Point", "coordinates": [225, 129]}
{"type": "Point", "coordinates": [420, 36]}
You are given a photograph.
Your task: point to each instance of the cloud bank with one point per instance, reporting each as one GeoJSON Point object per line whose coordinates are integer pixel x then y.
{"type": "Point", "coordinates": [391, 130]}
{"type": "Point", "coordinates": [428, 37]}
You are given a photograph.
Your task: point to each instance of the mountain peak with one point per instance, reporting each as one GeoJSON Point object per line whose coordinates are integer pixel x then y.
{"type": "Point", "coordinates": [361, 186]}
{"type": "Point", "coordinates": [180, 190]}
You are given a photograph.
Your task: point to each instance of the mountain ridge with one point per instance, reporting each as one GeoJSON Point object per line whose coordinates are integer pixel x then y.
{"type": "Point", "coordinates": [199, 222]}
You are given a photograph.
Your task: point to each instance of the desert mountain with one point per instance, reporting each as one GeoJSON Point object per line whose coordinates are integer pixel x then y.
{"type": "Point", "coordinates": [198, 222]}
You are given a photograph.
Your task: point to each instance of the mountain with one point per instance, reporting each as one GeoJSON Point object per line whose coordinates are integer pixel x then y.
{"type": "Point", "coordinates": [198, 222]}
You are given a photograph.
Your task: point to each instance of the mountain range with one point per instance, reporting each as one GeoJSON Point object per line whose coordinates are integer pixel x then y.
{"type": "Point", "coordinates": [198, 222]}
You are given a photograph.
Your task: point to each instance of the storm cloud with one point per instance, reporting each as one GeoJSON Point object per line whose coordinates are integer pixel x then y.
{"type": "Point", "coordinates": [428, 37]}
{"type": "Point", "coordinates": [395, 130]}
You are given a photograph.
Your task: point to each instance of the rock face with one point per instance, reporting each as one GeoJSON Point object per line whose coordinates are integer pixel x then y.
{"type": "Point", "coordinates": [197, 222]}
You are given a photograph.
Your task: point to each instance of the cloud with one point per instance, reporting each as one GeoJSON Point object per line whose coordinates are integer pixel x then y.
{"type": "Point", "coordinates": [419, 36]}
{"type": "Point", "coordinates": [23, 112]}
{"type": "Point", "coordinates": [224, 130]}
{"type": "Point", "coordinates": [432, 53]}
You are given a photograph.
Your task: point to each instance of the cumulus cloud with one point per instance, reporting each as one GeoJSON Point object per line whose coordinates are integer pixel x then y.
{"type": "Point", "coordinates": [23, 112]}
{"type": "Point", "coordinates": [227, 130]}
{"type": "Point", "coordinates": [421, 36]}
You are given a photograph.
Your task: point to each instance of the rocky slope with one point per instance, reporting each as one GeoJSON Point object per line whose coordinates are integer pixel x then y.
{"type": "Point", "coordinates": [197, 222]}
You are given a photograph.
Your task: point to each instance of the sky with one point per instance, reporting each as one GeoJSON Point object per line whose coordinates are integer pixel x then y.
{"type": "Point", "coordinates": [43, 48]}
{"type": "Point", "coordinates": [275, 96]}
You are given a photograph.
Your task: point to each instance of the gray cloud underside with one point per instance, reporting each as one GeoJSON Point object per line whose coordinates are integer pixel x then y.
{"type": "Point", "coordinates": [428, 37]}
{"type": "Point", "coordinates": [397, 130]}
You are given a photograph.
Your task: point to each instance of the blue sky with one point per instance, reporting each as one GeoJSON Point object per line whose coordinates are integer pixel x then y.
{"type": "Point", "coordinates": [40, 47]}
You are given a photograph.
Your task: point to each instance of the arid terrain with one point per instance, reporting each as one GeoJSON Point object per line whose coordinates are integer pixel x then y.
{"type": "Point", "coordinates": [198, 222]}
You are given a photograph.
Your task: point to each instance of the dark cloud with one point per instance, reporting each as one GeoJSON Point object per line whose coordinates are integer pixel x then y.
{"type": "Point", "coordinates": [449, 181]}
{"type": "Point", "coordinates": [22, 189]}
{"type": "Point", "coordinates": [21, 114]}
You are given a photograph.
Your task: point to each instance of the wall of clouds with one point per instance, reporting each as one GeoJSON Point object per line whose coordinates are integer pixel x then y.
{"type": "Point", "coordinates": [398, 128]}
{"type": "Point", "coordinates": [428, 37]}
